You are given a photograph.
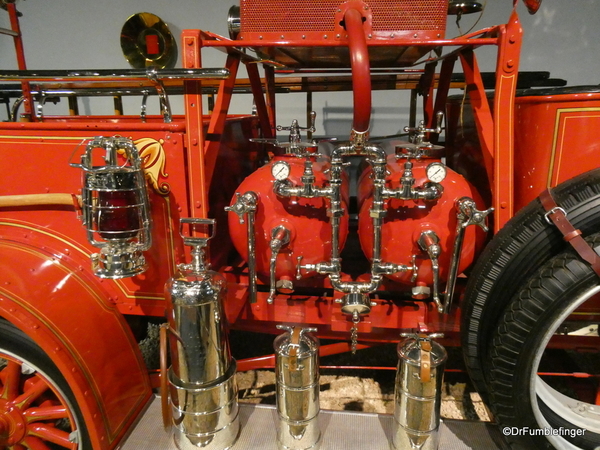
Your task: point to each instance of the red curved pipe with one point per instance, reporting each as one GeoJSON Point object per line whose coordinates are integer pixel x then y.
{"type": "Point", "coordinates": [361, 70]}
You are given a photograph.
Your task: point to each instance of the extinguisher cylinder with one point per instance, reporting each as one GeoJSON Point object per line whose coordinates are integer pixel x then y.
{"type": "Point", "coordinates": [202, 374]}
{"type": "Point", "coordinates": [418, 394]}
{"type": "Point", "coordinates": [297, 382]}
{"type": "Point", "coordinates": [205, 416]}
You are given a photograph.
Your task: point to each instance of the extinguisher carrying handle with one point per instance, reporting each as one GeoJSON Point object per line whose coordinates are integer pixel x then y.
{"type": "Point", "coordinates": [424, 342]}
{"type": "Point", "coordinates": [195, 223]}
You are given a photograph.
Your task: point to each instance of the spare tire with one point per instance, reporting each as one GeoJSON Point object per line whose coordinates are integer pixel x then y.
{"type": "Point", "coordinates": [535, 409]}
{"type": "Point", "coordinates": [515, 253]}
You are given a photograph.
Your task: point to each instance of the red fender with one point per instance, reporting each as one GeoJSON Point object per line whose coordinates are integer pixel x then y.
{"type": "Point", "coordinates": [64, 309]}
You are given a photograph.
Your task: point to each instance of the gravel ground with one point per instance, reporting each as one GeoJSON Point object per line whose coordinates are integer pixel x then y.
{"type": "Point", "coordinates": [367, 390]}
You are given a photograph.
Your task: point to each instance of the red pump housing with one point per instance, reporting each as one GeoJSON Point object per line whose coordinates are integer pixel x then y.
{"type": "Point", "coordinates": [305, 218]}
{"type": "Point", "coordinates": [407, 219]}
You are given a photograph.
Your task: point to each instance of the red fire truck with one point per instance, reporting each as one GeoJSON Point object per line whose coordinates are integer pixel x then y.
{"type": "Point", "coordinates": [486, 234]}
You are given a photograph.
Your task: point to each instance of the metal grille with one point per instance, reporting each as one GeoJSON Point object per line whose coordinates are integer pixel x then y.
{"type": "Point", "coordinates": [409, 15]}
{"type": "Point", "coordinates": [261, 16]}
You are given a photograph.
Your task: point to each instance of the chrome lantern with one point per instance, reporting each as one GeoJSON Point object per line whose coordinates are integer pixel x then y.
{"type": "Point", "coordinates": [115, 206]}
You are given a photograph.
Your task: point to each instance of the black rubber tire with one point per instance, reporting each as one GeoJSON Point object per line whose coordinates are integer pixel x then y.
{"type": "Point", "coordinates": [519, 339]}
{"type": "Point", "coordinates": [514, 254]}
{"type": "Point", "coordinates": [16, 343]}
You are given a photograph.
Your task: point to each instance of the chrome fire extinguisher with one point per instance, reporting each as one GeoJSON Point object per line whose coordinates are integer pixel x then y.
{"type": "Point", "coordinates": [201, 378]}
{"type": "Point", "coordinates": [418, 392]}
{"type": "Point", "coordinates": [297, 382]}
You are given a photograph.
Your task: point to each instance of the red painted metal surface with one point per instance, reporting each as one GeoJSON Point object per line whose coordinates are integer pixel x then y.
{"type": "Point", "coordinates": [308, 20]}
{"type": "Point", "coordinates": [556, 139]}
{"type": "Point", "coordinates": [361, 69]}
{"type": "Point", "coordinates": [306, 220]}
{"type": "Point", "coordinates": [69, 316]}
{"type": "Point", "coordinates": [196, 163]}
{"type": "Point", "coordinates": [543, 157]}
{"type": "Point", "coordinates": [407, 219]}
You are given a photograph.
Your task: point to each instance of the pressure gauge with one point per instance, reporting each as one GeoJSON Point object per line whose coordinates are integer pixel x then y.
{"type": "Point", "coordinates": [436, 172]}
{"type": "Point", "coordinates": [280, 170]}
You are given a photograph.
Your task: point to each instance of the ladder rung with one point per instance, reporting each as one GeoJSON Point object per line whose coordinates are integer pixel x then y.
{"type": "Point", "coordinates": [9, 32]}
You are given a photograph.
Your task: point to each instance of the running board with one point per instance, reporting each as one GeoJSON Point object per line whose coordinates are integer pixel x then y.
{"type": "Point", "coordinates": [340, 430]}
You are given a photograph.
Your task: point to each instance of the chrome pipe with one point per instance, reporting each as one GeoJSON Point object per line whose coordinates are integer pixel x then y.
{"type": "Point", "coordinates": [297, 381]}
{"type": "Point", "coordinates": [245, 205]}
{"type": "Point", "coordinates": [280, 237]}
{"type": "Point", "coordinates": [429, 242]}
{"type": "Point", "coordinates": [468, 214]}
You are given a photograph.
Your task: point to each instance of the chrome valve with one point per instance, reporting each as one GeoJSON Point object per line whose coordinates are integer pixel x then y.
{"type": "Point", "coordinates": [295, 145]}
{"type": "Point", "coordinates": [429, 242]}
{"type": "Point", "coordinates": [419, 133]}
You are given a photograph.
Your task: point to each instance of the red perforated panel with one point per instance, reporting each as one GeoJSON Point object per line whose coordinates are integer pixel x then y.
{"type": "Point", "coordinates": [260, 16]}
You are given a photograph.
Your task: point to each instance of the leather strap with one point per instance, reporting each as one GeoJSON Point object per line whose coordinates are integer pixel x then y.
{"type": "Point", "coordinates": [558, 216]}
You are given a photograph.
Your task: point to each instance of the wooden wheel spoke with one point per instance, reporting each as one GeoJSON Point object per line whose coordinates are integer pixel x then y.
{"type": "Point", "coordinates": [46, 413]}
{"type": "Point", "coordinates": [31, 394]}
{"type": "Point", "coordinates": [11, 376]}
{"type": "Point", "coordinates": [51, 434]}
{"type": "Point", "coordinates": [34, 443]}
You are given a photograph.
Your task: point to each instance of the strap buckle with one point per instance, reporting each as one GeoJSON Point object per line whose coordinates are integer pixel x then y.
{"type": "Point", "coordinates": [554, 211]}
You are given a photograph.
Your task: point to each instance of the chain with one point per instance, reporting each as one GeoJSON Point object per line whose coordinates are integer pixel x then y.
{"type": "Point", "coordinates": [354, 331]}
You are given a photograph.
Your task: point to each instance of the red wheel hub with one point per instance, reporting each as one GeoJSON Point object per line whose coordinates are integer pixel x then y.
{"type": "Point", "coordinates": [32, 412]}
{"type": "Point", "coordinates": [13, 426]}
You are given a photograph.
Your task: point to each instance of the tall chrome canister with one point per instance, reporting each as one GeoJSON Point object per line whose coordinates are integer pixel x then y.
{"type": "Point", "coordinates": [297, 381]}
{"type": "Point", "coordinates": [202, 375]}
{"type": "Point", "coordinates": [418, 392]}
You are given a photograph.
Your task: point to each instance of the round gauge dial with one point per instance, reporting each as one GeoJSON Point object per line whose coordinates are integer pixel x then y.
{"type": "Point", "coordinates": [280, 170]}
{"type": "Point", "coordinates": [436, 172]}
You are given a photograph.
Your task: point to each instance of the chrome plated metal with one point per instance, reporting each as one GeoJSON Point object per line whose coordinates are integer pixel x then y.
{"type": "Point", "coordinates": [418, 135]}
{"type": "Point", "coordinates": [429, 242]}
{"type": "Point", "coordinates": [297, 380]}
{"type": "Point", "coordinates": [467, 214]}
{"type": "Point", "coordinates": [205, 416]}
{"type": "Point", "coordinates": [234, 21]}
{"type": "Point", "coordinates": [295, 145]}
{"type": "Point", "coordinates": [144, 106]}
{"type": "Point", "coordinates": [202, 375]}
{"type": "Point", "coordinates": [245, 205]}
{"type": "Point", "coordinates": [115, 206]}
{"type": "Point", "coordinates": [459, 8]}
{"type": "Point", "coordinates": [165, 106]}
{"type": "Point", "coordinates": [146, 41]}
{"type": "Point", "coordinates": [280, 237]}
{"type": "Point", "coordinates": [102, 75]}
{"type": "Point", "coordinates": [418, 392]}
